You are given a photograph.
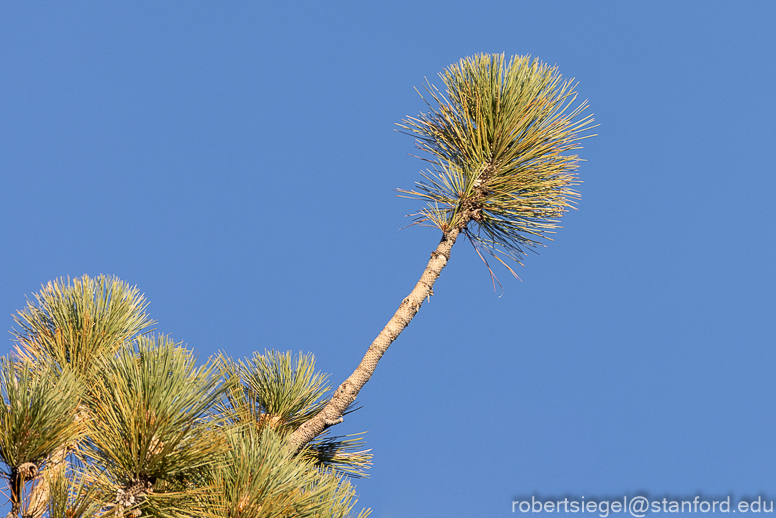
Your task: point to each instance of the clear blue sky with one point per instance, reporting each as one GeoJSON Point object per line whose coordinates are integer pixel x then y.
{"type": "Point", "coordinates": [236, 161]}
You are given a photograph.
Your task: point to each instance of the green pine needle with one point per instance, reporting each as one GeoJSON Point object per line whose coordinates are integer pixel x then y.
{"type": "Point", "coordinates": [281, 391]}
{"type": "Point", "coordinates": [80, 322]}
{"type": "Point", "coordinates": [151, 422]}
{"type": "Point", "coordinates": [499, 140]}
{"type": "Point", "coordinates": [37, 412]}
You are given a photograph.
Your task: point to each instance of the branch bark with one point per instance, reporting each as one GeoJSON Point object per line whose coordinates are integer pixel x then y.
{"type": "Point", "coordinates": [41, 492]}
{"type": "Point", "coordinates": [332, 413]}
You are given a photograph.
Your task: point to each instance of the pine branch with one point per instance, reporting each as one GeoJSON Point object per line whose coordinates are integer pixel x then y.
{"type": "Point", "coordinates": [347, 392]}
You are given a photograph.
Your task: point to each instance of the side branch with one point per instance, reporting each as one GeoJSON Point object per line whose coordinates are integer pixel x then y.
{"type": "Point", "coordinates": [347, 392]}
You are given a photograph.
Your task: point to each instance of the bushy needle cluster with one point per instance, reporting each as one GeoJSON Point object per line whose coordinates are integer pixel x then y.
{"type": "Point", "coordinates": [499, 140]}
{"type": "Point", "coordinates": [99, 417]}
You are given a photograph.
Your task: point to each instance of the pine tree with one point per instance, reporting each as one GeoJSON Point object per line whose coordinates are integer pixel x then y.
{"type": "Point", "coordinates": [102, 417]}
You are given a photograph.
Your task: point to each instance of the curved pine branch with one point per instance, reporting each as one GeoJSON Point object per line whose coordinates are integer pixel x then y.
{"type": "Point", "coordinates": [500, 142]}
{"type": "Point", "coordinates": [347, 392]}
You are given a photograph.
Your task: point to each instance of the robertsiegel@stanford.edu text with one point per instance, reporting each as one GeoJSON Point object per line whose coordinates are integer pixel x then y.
{"type": "Point", "coordinates": [639, 506]}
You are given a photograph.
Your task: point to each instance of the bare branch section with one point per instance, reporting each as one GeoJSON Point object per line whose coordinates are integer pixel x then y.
{"type": "Point", "coordinates": [348, 391]}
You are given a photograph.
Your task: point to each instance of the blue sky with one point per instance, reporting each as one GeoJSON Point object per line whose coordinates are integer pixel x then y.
{"type": "Point", "coordinates": [237, 162]}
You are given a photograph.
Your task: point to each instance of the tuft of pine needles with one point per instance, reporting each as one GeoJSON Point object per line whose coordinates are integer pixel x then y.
{"type": "Point", "coordinates": [151, 431]}
{"type": "Point", "coordinates": [77, 323]}
{"type": "Point", "coordinates": [37, 411]}
{"type": "Point", "coordinates": [262, 478]}
{"type": "Point", "coordinates": [499, 140]}
{"type": "Point", "coordinates": [280, 391]}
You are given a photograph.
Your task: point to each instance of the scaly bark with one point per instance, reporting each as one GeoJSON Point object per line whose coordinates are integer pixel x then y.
{"type": "Point", "coordinates": [41, 492]}
{"type": "Point", "coordinates": [54, 468]}
{"type": "Point", "coordinates": [332, 413]}
{"type": "Point", "coordinates": [19, 476]}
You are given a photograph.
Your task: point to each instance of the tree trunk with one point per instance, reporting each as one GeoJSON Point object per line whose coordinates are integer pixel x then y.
{"type": "Point", "coordinates": [348, 391]}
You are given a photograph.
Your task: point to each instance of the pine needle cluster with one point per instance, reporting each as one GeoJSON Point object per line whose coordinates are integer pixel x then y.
{"type": "Point", "coordinates": [499, 141]}
{"type": "Point", "coordinates": [100, 417]}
